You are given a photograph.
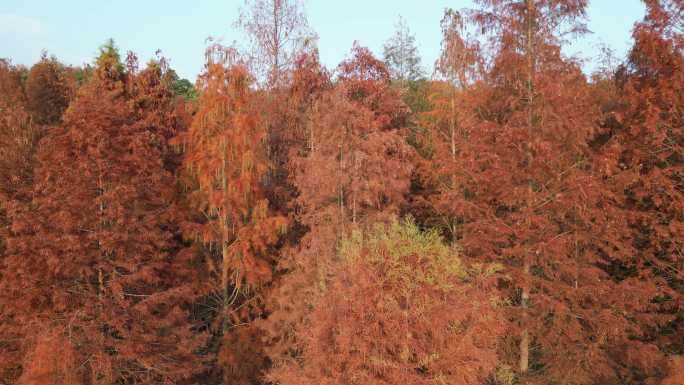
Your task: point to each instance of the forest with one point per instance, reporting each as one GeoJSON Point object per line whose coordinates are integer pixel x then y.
{"type": "Point", "coordinates": [503, 219]}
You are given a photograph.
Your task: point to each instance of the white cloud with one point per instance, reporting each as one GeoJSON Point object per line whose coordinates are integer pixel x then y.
{"type": "Point", "coordinates": [11, 24]}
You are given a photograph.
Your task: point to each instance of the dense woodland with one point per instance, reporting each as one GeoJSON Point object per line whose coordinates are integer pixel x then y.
{"type": "Point", "coordinates": [504, 219]}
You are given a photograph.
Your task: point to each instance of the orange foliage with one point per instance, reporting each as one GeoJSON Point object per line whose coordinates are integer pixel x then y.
{"type": "Point", "coordinates": [520, 185]}
{"type": "Point", "coordinates": [399, 309]}
{"type": "Point", "coordinates": [47, 91]}
{"type": "Point", "coordinates": [125, 260]}
{"type": "Point", "coordinates": [53, 359]}
{"type": "Point", "coordinates": [225, 151]}
{"type": "Point", "coordinates": [93, 245]}
{"type": "Point", "coordinates": [354, 136]}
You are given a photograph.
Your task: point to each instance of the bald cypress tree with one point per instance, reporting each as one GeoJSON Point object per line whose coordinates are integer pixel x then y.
{"type": "Point", "coordinates": [93, 253]}
{"type": "Point", "coordinates": [226, 155]}
{"type": "Point", "coordinates": [47, 91]}
{"type": "Point", "coordinates": [18, 139]}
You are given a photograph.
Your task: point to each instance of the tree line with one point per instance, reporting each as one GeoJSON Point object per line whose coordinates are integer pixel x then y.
{"type": "Point", "coordinates": [506, 220]}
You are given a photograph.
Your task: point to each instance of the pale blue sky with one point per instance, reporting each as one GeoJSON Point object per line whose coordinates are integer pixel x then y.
{"type": "Point", "coordinates": [73, 29]}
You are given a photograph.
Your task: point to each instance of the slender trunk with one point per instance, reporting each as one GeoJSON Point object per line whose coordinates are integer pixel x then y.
{"type": "Point", "coordinates": [354, 208]}
{"type": "Point", "coordinates": [525, 335]}
{"type": "Point", "coordinates": [353, 192]}
{"type": "Point", "coordinates": [576, 264]}
{"type": "Point", "coordinates": [341, 170]}
{"type": "Point", "coordinates": [530, 53]}
{"type": "Point", "coordinates": [225, 257]}
{"type": "Point", "coordinates": [312, 145]}
{"type": "Point", "coordinates": [452, 133]}
{"type": "Point", "coordinates": [101, 225]}
{"type": "Point", "coordinates": [225, 284]}
{"type": "Point", "coordinates": [452, 127]}
{"type": "Point", "coordinates": [276, 44]}
{"type": "Point", "coordinates": [341, 188]}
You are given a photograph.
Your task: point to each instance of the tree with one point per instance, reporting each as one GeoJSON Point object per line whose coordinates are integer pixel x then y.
{"type": "Point", "coordinates": [18, 138]}
{"type": "Point", "coordinates": [184, 88]}
{"type": "Point", "coordinates": [277, 31]}
{"type": "Point", "coordinates": [354, 136]}
{"type": "Point", "coordinates": [526, 32]}
{"type": "Point", "coordinates": [527, 193]}
{"type": "Point", "coordinates": [401, 308]}
{"type": "Point", "coordinates": [286, 110]}
{"type": "Point", "coordinates": [47, 91]}
{"type": "Point", "coordinates": [641, 158]}
{"type": "Point", "coordinates": [181, 87]}
{"type": "Point", "coordinates": [225, 149]}
{"type": "Point", "coordinates": [92, 254]}
{"type": "Point", "coordinates": [449, 119]}
{"type": "Point", "coordinates": [401, 54]}
{"type": "Point", "coordinates": [367, 83]}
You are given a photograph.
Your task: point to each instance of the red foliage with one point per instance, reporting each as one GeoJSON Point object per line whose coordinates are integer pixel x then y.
{"type": "Point", "coordinates": [643, 167]}
{"type": "Point", "coordinates": [92, 251]}
{"type": "Point", "coordinates": [43, 366]}
{"type": "Point", "coordinates": [367, 82]}
{"type": "Point", "coordinates": [18, 138]}
{"type": "Point", "coordinates": [47, 91]}
{"type": "Point", "coordinates": [525, 190]}
{"type": "Point", "coordinates": [354, 137]}
{"type": "Point", "coordinates": [225, 150]}
{"type": "Point", "coordinates": [397, 310]}
{"type": "Point", "coordinates": [124, 260]}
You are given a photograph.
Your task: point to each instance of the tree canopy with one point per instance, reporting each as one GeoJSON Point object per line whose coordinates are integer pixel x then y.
{"type": "Point", "coordinates": [504, 218]}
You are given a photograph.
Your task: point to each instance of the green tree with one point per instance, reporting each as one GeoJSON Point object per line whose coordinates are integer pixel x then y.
{"type": "Point", "coordinates": [401, 54]}
{"type": "Point", "coordinates": [181, 87]}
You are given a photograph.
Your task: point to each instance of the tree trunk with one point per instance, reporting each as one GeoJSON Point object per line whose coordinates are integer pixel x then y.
{"type": "Point", "coordinates": [531, 60]}
{"type": "Point", "coordinates": [101, 226]}
{"type": "Point", "coordinates": [312, 144]}
{"type": "Point", "coordinates": [355, 173]}
{"type": "Point", "coordinates": [452, 127]}
{"type": "Point", "coordinates": [525, 335]}
{"type": "Point", "coordinates": [225, 258]}
{"type": "Point", "coordinates": [275, 70]}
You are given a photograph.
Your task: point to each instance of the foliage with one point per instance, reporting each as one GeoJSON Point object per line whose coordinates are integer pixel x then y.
{"type": "Point", "coordinates": [47, 91]}
{"type": "Point", "coordinates": [401, 308]}
{"type": "Point", "coordinates": [225, 151]}
{"type": "Point", "coordinates": [244, 229]}
{"type": "Point", "coordinates": [18, 139]}
{"type": "Point", "coordinates": [401, 54]}
{"type": "Point", "coordinates": [181, 87]}
{"type": "Point", "coordinates": [92, 249]}
{"type": "Point", "coordinates": [520, 183]}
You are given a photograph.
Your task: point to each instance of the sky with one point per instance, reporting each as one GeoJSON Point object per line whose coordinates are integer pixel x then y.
{"type": "Point", "coordinates": [73, 30]}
